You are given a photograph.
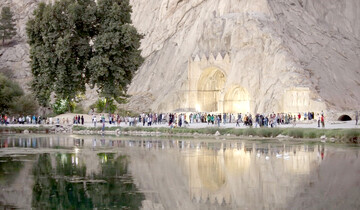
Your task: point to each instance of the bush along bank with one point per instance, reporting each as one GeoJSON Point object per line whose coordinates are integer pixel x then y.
{"type": "Point", "coordinates": [332, 135]}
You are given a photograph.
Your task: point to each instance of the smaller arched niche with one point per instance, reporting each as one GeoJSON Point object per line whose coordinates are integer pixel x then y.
{"type": "Point", "coordinates": [237, 100]}
{"type": "Point", "coordinates": [344, 118]}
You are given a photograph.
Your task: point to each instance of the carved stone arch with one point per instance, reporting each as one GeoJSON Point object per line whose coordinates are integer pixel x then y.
{"type": "Point", "coordinates": [237, 100]}
{"type": "Point", "coordinates": [209, 88]}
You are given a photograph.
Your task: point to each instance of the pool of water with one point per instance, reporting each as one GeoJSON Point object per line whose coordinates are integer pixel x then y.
{"type": "Point", "coordinates": [94, 172]}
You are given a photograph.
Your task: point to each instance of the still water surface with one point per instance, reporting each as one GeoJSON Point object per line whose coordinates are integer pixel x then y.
{"type": "Point", "coordinates": [84, 172]}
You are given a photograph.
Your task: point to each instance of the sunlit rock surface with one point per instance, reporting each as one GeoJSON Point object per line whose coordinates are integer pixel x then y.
{"type": "Point", "coordinates": [273, 47]}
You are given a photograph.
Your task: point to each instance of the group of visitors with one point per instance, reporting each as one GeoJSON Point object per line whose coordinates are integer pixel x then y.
{"type": "Point", "coordinates": [179, 119]}
{"type": "Point", "coordinates": [77, 120]}
{"type": "Point", "coordinates": [6, 120]}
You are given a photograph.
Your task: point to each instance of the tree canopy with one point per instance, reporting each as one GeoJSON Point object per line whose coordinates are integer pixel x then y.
{"type": "Point", "coordinates": [74, 43]}
{"type": "Point", "coordinates": [7, 24]}
{"type": "Point", "coordinates": [13, 100]}
{"type": "Point", "coordinates": [9, 91]}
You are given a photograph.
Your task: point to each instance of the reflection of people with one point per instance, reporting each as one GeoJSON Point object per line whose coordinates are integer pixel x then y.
{"type": "Point", "coordinates": [322, 153]}
{"type": "Point", "coordinates": [94, 143]}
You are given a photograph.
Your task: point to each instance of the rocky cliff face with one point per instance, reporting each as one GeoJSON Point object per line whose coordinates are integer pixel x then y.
{"type": "Point", "coordinates": [273, 45]}
{"type": "Point", "coordinates": [14, 55]}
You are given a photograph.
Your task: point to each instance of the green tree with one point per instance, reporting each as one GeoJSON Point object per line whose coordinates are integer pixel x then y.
{"type": "Point", "coordinates": [116, 49]}
{"type": "Point", "coordinates": [7, 24]}
{"type": "Point", "coordinates": [9, 91]}
{"type": "Point", "coordinates": [59, 37]}
{"type": "Point", "coordinates": [24, 105]}
{"type": "Point", "coordinates": [74, 43]}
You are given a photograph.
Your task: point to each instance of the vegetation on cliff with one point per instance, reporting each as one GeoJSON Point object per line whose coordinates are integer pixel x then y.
{"type": "Point", "coordinates": [7, 24]}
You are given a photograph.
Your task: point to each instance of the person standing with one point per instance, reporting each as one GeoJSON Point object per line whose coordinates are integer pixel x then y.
{"type": "Point", "coordinates": [356, 117]}
{"type": "Point", "coordinates": [318, 120]}
{"type": "Point", "coordinates": [103, 122]}
{"type": "Point", "coordinates": [82, 119]}
{"type": "Point", "coordinates": [322, 121]}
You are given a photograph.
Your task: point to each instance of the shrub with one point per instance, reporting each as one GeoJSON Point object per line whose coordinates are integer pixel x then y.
{"type": "Point", "coordinates": [351, 133]}
{"type": "Point", "coordinates": [238, 132]}
{"type": "Point", "coordinates": [60, 106]}
{"type": "Point", "coordinates": [265, 132]}
{"type": "Point", "coordinates": [79, 109]}
{"type": "Point", "coordinates": [311, 134]}
{"type": "Point", "coordinates": [104, 105]}
{"type": "Point", "coordinates": [296, 133]}
{"type": "Point", "coordinates": [9, 91]}
{"type": "Point", "coordinates": [250, 131]}
{"type": "Point", "coordinates": [24, 105]}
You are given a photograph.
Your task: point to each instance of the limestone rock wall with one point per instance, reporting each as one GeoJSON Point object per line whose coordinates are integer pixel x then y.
{"type": "Point", "coordinates": [14, 56]}
{"type": "Point", "coordinates": [323, 38]}
{"type": "Point", "coordinates": [274, 45]}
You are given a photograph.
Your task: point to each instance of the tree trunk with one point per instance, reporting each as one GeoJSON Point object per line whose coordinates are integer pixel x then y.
{"type": "Point", "coordinates": [106, 104]}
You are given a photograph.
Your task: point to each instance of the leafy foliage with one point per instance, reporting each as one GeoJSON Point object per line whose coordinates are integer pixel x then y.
{"type": "Point", "coordinates": [116, 49]}
{"type": "Point", "coordinates": [74, 43]}
{"type": "Point", "coordinates": [24, 105]}
{"type": "Point", "coordinates": [7, 24]}
{"type": "Point", "coordinates": [9, 91]}
{"type": "Point", "coordinates": [104, 105]}
{"type": "Point", "coordinates": [60, 106]}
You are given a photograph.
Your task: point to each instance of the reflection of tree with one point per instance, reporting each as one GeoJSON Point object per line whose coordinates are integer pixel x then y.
{"type": "Point", "coordinates": [8, 169]}
{"type": "Point", "coordinates": [67, 186]}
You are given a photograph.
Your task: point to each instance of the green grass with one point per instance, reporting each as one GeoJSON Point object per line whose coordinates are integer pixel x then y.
{"type": "Point", "coordinates": [344, 135]}
{"type": "Point", "coordinates": [309, 133]}
{"type": "Point", "coordinates": [40, 129]}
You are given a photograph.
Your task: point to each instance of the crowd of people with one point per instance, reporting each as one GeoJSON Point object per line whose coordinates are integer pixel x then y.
{"type": "Point", "coordinates": [175, 119]}
{"type": "Point", "coordinates": [39, 120]}
{"type": "Point", "coordinates": [185, 119]}
{"type": "Point", "coordinates": [5, 119]}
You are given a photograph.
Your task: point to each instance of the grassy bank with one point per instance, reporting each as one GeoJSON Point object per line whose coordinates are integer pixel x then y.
{"type": "Point", "coordinates": [309, 133]}
{"type": "Point", "coordinates": [21, 129]}
{"type": "Point", "coordinates": [345, 135]}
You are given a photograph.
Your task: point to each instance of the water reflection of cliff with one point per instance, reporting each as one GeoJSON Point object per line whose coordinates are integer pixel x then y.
{"type": "Point", "coordinates": [230, 175]}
